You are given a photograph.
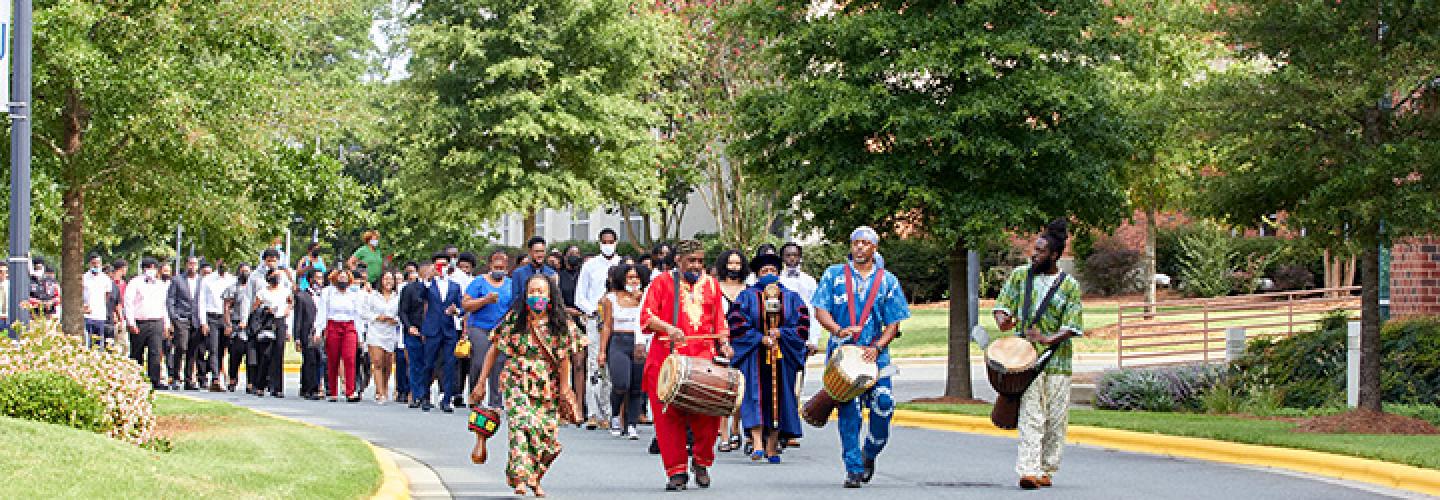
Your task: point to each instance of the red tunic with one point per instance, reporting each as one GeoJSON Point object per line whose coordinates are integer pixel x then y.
{"type": "Point", "coordinates": [702, 313]}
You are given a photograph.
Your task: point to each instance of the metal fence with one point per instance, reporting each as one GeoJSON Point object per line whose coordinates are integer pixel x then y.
{"type": "Point", "coordinates": [1193, 330]}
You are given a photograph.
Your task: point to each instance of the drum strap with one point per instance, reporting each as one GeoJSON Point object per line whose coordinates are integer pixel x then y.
{"type": "Point", "coordinates": [869, 299]}
{"type": "Point", "coordinates": [675, 318]}
{"type": "Point", "coordinates": [1027, 318]}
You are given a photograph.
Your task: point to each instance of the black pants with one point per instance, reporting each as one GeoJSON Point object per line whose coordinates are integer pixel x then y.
{"type": "Point", "coordinates": [270, 365]}
{"type": "Point", "coordinates": [625, 372]}
{"type": "Point", "coordinates": [148, 345]}
{"type": "Point", "coordinates": [241, 352]}
{"type": "Point", "coordinates": [312, 366]}
{"type": "Point", "coordinates": [208, 350]}
{"type": "Point", "coordinates": [182, 362]}
{"type": "Point", "coordinates": [402, 373]}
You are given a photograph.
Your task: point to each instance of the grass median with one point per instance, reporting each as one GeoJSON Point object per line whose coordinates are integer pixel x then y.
{"type": "Point", "coordinates": [219, 451]}
{"type": "Point", "coordinates": [1405, 449]}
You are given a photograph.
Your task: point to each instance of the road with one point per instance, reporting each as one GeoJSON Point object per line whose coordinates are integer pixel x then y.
{"type": "Point", "coordinates": [918, 464]}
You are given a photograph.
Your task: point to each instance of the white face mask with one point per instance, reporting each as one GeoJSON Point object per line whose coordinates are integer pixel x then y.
{"type": "Point", "coordinates": [150, 273]}
{"type": "Point", "coordinates": [374, 243]}
{"type": "Point", "coordinates": [607, 249]}
{"type": "Point", "coordinates": [632, 288]}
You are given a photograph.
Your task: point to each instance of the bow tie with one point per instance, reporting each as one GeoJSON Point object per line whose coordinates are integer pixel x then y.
{"type": "Point", "coordinates": [793, 273]}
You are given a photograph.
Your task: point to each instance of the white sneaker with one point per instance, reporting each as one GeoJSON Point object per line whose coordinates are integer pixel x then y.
{"type": "Point", "coordinates": [633, 432]}
{"type": "Point", "coordinates": [616, 432]}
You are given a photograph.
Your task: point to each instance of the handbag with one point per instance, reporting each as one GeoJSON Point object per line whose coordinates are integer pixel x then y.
{"type": "Point", "coordinates": [462, 348]}
{"type": "Point", "coordinates": [569, 405]}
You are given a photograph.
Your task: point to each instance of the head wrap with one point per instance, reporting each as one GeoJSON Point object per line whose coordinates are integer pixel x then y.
{"type": "Point", "coordinates": [865, 233]}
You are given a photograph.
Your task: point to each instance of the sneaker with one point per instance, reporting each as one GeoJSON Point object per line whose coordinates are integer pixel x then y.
{"type": "Point", "coordinates": [616, 432]}
{"type": "Point", "coordinates": [869, 470]}
{"type": "Point", "coordinates": [852, 480]}
{"type": "Point", "coordinates": [633, 432]}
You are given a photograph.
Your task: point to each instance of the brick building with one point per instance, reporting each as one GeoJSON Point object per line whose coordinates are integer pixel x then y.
{"type": "Point", "coordinates": [1415, 277]}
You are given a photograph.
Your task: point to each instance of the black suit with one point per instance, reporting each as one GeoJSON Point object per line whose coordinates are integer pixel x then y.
{"type": "Point", "coordinates": [412, 313]}
{"type": "Point", "coordinates": [183, 305]}
{"type": "Point", "coordinates": [312, 353]}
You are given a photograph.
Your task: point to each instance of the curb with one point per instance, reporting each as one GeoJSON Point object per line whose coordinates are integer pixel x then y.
{"type": "Point", "coordinates": [393, 483]}
{"type": "Point", "coordinates": [1387, 474]}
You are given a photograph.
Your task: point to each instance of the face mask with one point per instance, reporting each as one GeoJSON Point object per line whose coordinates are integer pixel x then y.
{"type": "Point", "coordinates": [150, 273]}
{"type": "Point", "coordinates": [574, 261]}
{"type": "Point", "coordinates": [272, 280]}
{"type": "Point", "coordinates": [95, 270]}
{"type": "Point", "coordinates": [767, 280]}
{"type": "Point", "coordinates": [374, 243]}
{"type": "Point", "coordinates": [691, 277]}
{"type": "Point", "coordinates": [734, 275]}
{"type": "Point", "coordinates": [607, 249]}
{"type": "Point", "coordinates": [314, 253]}
{"type": "Point", "coordinates": [497, 275]}
{"type": "Point", "coordinates": [537, 303]}
{"type": "Point", "coordinates": [440, 269]}
{"type": "Point", "coordinates": [279, 247]}
{"type": "Point", "coordinates": [632, 288]}
{"type": "Point", "coordinates": [343, 285]}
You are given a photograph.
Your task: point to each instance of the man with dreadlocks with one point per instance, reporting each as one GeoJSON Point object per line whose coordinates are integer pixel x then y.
{"type": "Point", "coordinates": [1049, 324]}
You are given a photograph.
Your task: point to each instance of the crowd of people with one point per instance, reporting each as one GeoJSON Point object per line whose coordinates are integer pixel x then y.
{"type": "Point", "coordinates": [545, 335]}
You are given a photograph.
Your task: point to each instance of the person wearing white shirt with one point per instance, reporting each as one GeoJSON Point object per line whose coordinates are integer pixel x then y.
{"type": "Point", "coordinates": [797, 280]}
{"type": "Point", "coordinates": [462, 273]}
{"type": "Point", "coordinates": [382, 312]}
{"type": "Point", "coordinates": [212, 326]}
{"type": "Point", "coordinates": [337, 313]}
{"type": "Point", "coordinates": [97, 287]}
{"type": "Point", "coordinates": [269, 340]}
{"type": "Point", "coordinates": [148, 318]}
{"type": "Point", "coordinates": [590, 288]}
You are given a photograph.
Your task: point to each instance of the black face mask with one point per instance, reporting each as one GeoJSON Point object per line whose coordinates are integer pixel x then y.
{"type": "Point", "coordinates": [272, 280]}
{"type": "Point", "coordinates": [242, 278]}
{"type": "Point", "coordinates": [734, 275]}
{"type": "Point", "coordinates": [574, 261]}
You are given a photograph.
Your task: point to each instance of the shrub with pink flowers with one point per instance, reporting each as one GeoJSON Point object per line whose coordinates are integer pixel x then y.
{"type": "Point", "coordinates": [114, 379]}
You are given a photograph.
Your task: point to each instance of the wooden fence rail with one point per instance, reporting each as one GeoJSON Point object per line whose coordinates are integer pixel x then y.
{"type": "Point", "coordinates": [1193, 330]}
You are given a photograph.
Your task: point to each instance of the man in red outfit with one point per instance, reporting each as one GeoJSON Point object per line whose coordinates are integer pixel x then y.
{"type": "Point", "coordinates": [700, 328]}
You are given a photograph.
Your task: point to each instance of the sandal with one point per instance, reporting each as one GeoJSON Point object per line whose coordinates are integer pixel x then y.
{"type": "Point", "coordinates": [724, 448]}
{"type": "Point", "coordinates": [735, 442]}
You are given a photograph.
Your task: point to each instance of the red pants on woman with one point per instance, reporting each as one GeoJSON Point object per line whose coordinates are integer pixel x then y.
{"type": "Point", "coordinates": [670, 427]}
{"type": "Point", "coordinates": [340, 340]}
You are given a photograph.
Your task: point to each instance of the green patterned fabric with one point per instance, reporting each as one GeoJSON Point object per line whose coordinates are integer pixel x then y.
{"type": "Point", "coordinates": [1063, 312]}
{"type": "Point", "coordinates": [530, 387]}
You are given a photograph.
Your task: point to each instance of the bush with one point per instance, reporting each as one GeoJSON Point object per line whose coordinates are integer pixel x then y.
{"type": "Point", "coordinates": [115, 381]}
{"type": "Point", "coordinates": [1410, 361]}
{"type": "Point", "coordinates": [1207, 263]}
{"type": "Point", "coordinates": [920, 265]}
{"type": "Point", "coordinates": [1293, 277]}
{"type": "Point", "coordinates": [1113, 269]}
{"type": "Point", "coordinates": [52, 398]}
{"type": "Point", "coordinates": [1176, 388]}
{"type": "Point", "coordinates": [1428, 413]}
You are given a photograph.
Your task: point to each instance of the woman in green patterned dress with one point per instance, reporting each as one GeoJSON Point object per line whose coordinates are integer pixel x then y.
{"type": "Point", "coordinates": [539, 340]}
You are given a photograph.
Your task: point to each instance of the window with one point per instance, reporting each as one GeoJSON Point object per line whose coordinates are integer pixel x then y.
{"type": "Point", "coordinates": [505, 229]}
{"type": "Point", "coordinates": [539, 224]}
{"type": "Point", "coordinates": [635, 224]}
{"type": "Point", "coordinates": [579, 225]}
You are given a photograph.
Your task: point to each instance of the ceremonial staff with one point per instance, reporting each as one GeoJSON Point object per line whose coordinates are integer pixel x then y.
{"type": "Point", "coordinates": [772, 322]}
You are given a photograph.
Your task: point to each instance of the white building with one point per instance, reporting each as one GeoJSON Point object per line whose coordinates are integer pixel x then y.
{"type": "Point", "coordinates": [567, 224]}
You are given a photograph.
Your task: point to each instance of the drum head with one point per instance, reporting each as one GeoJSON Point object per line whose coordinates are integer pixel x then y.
{"type": "Point", "coordinates": [667, 383]}
{"type": "Point", "coordinates": [851, 362]}
{"type": "Point", "coordinates": [1012, 353]}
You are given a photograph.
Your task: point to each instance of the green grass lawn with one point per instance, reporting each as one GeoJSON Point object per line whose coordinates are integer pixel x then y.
{"type": "Point", "coordinates": [220, 451]}
{"type": "Point", "coordinates": [926, 333]}
{"type": "Point", "coordinates": [1419, 451]}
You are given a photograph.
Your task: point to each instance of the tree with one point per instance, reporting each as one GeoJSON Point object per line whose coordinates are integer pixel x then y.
{"type": "Point", "coordinates": [1330, 115]}
{"type": "Point", "coordinates": [527, 105]}
{"type": "Point", "coordinates": [953, 121]}
{"type": "Point", "coordinates": [147, 112]}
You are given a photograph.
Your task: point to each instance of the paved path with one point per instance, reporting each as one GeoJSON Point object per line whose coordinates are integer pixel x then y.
{"type": "Point", "coordinates": [918, 463]}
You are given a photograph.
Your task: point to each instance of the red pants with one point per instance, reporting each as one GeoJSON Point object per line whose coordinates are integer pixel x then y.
{"type": "Point", "coordinates": [670, 429]}
{"type": "Point", "coordinates": [340, 339]}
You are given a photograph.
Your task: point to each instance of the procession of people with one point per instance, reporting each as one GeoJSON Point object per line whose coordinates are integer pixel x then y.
{"type": "Point", "coordinates": [711, 355]}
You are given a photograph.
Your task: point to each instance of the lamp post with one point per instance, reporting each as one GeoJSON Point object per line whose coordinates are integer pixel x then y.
{"type": "Point", "coordinates": [19, 261]}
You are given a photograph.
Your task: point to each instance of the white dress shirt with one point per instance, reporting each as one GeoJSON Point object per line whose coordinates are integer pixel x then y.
{"type": "Point", "coordinates": [212, 288]}
{"type": "Point", "coordinates": [334, 305]}
{"type": "Point", "coordinates": [797, 281]}
{"type": "Point", "coordinates": [145, 300]}
{"type": "Point", "coordinates": [463, 279]}
{"type": "Point", "coordinates": [590, 287]}
{"type": "Point", "coordinates": [97, 287]}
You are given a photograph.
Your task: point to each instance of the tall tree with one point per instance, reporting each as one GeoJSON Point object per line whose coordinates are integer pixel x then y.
{"type": "Point", "coordinates": [964, 120]}
{"type": "Point", "coordinates": [1333, 118]}
{"type": "Point", "coordinates": [146, 113]}
{"type": "Point", "coordinates": [527, 105]}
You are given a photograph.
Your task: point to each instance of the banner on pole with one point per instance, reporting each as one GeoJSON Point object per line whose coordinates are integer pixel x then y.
{"type": "Point", "coordinates": [5, 23]}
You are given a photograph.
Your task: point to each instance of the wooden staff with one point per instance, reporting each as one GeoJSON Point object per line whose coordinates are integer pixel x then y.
{"type": "Point", "coordinates": [772, 320]}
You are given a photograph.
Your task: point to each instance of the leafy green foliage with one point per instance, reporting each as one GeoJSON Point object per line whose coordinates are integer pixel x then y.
{"type": "Point", "coordinates": [1308, 369]}
{"type": "Point", "coordinates": [50, 397]}
{"type": "Point", "coordinates": [1177, 388]}
{"type": "Point", "coordinates": [1207, 261]}
{"type": "Point", "coordinates": [1112, 269]}
{"type": "Point", "coordinates": [1411, 349]}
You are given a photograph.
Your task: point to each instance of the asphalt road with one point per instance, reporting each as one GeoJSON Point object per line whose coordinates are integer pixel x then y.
{"type": "Point", "coordinates": [917, 464]}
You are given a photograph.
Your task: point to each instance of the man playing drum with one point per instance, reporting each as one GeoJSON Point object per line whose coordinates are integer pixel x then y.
{"type": "Point", "coordinates": [1045, 406]}
{"type": "Point", "coordinates": [861, 304]}
{"type": "Point", "coordinates": [769, 325]}
{"type": "Point", "coordinates": [702, 321]}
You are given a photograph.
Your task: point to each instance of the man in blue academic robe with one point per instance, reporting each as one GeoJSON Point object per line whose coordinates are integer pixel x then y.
{"type": "Point", "coordinates": [769, 326]}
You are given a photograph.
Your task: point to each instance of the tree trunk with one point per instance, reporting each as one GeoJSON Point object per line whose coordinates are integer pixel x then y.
{"type": "Point", "coordinates": [1150, 232]}
{"type": "Point", "coordinates": [72, 262]}
{"type": "Point", "coordinates": [1370, 328]}
{"type": "Point", "coordinates": [529, 226]}
{"type": "Point", "coordinates": [957, 374]}
{"type": "Point", "coordinates": [649, 236]}
{"type": "Point", "coordinates": [630, 231]}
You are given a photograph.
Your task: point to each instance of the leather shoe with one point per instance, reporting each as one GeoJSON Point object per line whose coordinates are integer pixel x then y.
{"type": "Point", "coordinates": [852, 480]}
{"type": "Point", "coordinates": [1029, 482]}
{"type": "Point", "coordinates": [446, 407]}
{"type": "Point", "coordinates": [869, 470]}
{"type": "Point", "coordinates": [426, 406]}
{"type": "Point", "coordinates": [677, 482]}
{"type": "Point", "coordinates": [702, 476]}
{"type": "Point", "coordinates": [192, 386]}
{"type": "Point", "coordinates": [215, 387]}
{"type": "Point", "coordinates": [1044, 481]}
{"type": "Point", "coordinates": [280, 395]}
{"type": "Point", "coordinates": [414, 403]}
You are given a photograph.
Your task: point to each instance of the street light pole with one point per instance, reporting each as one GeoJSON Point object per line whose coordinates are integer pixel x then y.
{"type": "Point", "coordinates": [19, 262]}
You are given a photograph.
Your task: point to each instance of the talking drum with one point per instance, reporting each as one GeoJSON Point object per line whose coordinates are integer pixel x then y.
{"type": "Point", "coordinates": [848, 375]}
{"type": "Point", "coordinates": [483, 422]}
{"type": "Point", "coordinates": [1012, 364]}
{"type": "Point", "coordinates": [700, 386]}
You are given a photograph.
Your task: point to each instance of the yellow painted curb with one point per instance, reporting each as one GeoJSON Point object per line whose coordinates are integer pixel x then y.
{"type": "Point", "coordinates": [1387, 474]}
{"type": "Point", "coordinates": [393, 485]}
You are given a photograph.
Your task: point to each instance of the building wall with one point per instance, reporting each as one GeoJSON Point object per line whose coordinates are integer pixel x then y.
{"type": "Point", "coordinates": [1415, 277]}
